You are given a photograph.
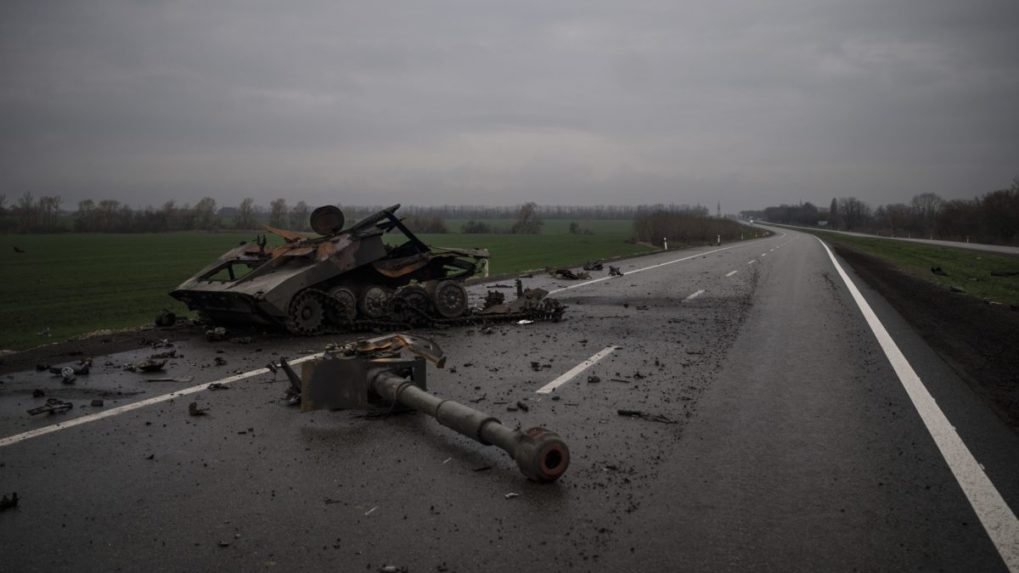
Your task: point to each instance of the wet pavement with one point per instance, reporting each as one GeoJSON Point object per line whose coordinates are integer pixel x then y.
{"type": "Point", "coordinates": [767, 415]}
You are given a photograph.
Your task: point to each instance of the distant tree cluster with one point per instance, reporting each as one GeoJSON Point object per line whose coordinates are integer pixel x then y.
{"type": "Point", "coordinates": [425, 224]}
{"type": "Point", "coordinates": [990, 218]}
{"type": "Point", "coordinates": [685, 227]}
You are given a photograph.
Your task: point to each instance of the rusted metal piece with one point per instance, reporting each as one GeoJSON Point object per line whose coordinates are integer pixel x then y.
{"type": "Point", "coordinates": [371, 374]}
{"type": "Point", "coordinates": [568, 274]}
{"type": "Point", "coordinates": [52, 406]}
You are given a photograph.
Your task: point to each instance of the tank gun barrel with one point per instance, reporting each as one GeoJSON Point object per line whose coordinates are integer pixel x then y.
{"type": "Point", "coordinates": [541, 455]}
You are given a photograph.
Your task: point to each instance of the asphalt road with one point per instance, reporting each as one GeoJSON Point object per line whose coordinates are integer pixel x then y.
{"type": "Point", "coordinates": [1004, 249]}
{"type": "Point", "coordinates": [778, 437]}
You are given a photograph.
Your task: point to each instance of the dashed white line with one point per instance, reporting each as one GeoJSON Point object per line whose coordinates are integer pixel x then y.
{"type": "Point", "coordinates": [572, 372]}
{"type": "Point", "coordinates": [751, 261]}
{"type": "Point", "coordinates": [9, 440]}
{"type": "Point", "coordinates": [694, 295]}
{"type": "Point", "coordinates": [730, 273]}
{"type": "Point", "coordinates": [635, 271]}
{"type": "Point", "coordinates": [764, 254]}
{"type": "Point", "coordinates": [997, 518]}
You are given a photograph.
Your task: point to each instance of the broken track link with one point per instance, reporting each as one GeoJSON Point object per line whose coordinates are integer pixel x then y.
{"type": "Point", "coordinates": [333, 311]}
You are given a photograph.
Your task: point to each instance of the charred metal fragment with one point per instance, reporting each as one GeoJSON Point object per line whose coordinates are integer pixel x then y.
{"type": "Point", "coordinates": [52, 406]}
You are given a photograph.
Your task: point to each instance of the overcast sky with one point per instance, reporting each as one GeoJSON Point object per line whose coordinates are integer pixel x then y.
{"type": "Point", "coordinates": [560, 102]}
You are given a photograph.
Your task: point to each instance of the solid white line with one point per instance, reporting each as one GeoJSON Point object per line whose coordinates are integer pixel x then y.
{"type": "Point", "coordinates": [9, 440]}
{"type": "Point", "coordinates": [548, 388]}
{"type": "Point", "coordinates": [635, 271]}
{"type": "Point", "coordinates": [997, 518]}
{"type": "Point", "coordinates": [694, 295]}
{"type": "Point", "coordinates": [730, 273]}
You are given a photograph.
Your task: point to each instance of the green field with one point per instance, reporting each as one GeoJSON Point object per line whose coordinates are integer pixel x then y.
{"type": "Point", "coordinates": [967, 269]}
{"type": "Point", "coordinates": [72, 284]}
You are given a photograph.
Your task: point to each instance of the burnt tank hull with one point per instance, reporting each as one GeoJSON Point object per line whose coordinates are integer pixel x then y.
{"type": "Point", "coordinates": [253, 284]}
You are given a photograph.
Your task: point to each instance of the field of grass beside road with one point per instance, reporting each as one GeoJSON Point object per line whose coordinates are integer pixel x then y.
{"type": "Point", "coordinates": [71, 284]}
{"type": "Point", "coordinates": [968, 270]}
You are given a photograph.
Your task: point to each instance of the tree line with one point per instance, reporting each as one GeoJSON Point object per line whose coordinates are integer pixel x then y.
{"type": "Point", "coordinates": [690, 227]}
{"type": "Point", "coordinates": [45, 214]}
{"type": "Point", "coordinates": [989, 218]}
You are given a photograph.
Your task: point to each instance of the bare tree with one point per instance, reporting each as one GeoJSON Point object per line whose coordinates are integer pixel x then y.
{"type": "Point", "coordinates": [299, 216]}
{"type": "Point", "coordinates": [278, 213]}
{"type": "Point", "coordinates": [246, 214]}
{"type": "Point", "coordinates": [926, 207]}
{"type": "Point", "coordinates": [205, 214]}
{"type": "Point", "coordinates": [528, 221]}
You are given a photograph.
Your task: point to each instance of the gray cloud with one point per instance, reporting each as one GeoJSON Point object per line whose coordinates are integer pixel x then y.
{"type": "Point", "coordinates": [496, 102]}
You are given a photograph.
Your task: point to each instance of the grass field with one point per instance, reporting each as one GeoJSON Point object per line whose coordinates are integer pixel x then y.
{"type": "Point", "coordinates": [77, 283]}
{"type": "Point", "coordinates": [966, 269]}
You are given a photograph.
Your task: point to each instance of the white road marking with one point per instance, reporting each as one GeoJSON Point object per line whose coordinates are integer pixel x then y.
{"type": "Point", "coordinates": [9, 440]}
{"type": "Point", "coordinates": [764, 254]}
{"type": "Point", "coordinates": [694, 295]}
{"type": "Point", "coordinates": [751, 261]}
{"type": "Point", "coordinates": [635, 271]}
{"type": "Point", "coordinates": [997, 518]}
{"type": "Point", "coordinates": [730, 273]}
{"type": "Point", "coordinates": [572, 373]}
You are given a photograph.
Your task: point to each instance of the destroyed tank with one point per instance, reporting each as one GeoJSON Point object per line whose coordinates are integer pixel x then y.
{"type": "Point", "coordinates": [349, 279]}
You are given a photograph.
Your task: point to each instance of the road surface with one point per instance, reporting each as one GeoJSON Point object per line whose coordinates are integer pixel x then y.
{"type": "Point", "coordinates": [779, 436]}
{"type": "Point", "coordinates": [1005, 249]}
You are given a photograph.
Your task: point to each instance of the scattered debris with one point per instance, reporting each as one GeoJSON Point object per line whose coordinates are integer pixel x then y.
{"type": "Point", "coordinates": [165, 379]}
{"type": "Point", "coordinates": [525, 322]}
{"type": "Point", "coordinates": [220, 361]}
{"type": "Point", "coordinates": [615, 272]}
{"type": "Point", "coordinates": [523, 406]}
{"type": "Point", "coordinates": [371, 511]}
{"type": "Point", "coordinates": [166, 318]}
{"type": "Point", "coordinates": [511, 495]}
{"type": "Point", "coordinates": [44, 332]}
{"type": "Point", "coordinates": [957, 289]}
{"type": "Point", "coordinates": [620, 380]}
{"type": "Point", "coordinates": [482, 469]}
{"type": "Point", "coordinates": [593, 266]}
{"type": "Point", "coordinates": [218, 386]}
{"type": "Point", "coordinates": [42, 367]}
{"type": "Point", "coordinates": [18, 249]}
{"type": "Point", "coordinates": [568, 274]}
{"type": "Point", "coordinates": [223, 544]}
{"type": "Point", "coordinates": [163, 355]}
{"type": "Point", "coordinates": [147, 365]}
{"type": "Point", "coordinates": [593, 379]}
{"type": "Point", "coordinates": [392, 569]}
{"type": "Point", "coordinates": [97, 403]}
{"type": "Point", "coordinates": [82, 369]}
{"type": "Point", "coordinates": [194, 410]}
{"type": "Point", "coordinates": [37, 393]}
{"type": "Point", "coordinates": [67, 375]}
{"type": "Point", "coordinates": [938, 271]}
{"type": "Point", "coordinates": [646, 416]}
{"type": "Point", "coordinates": [9, 502]}
{"type": "Point", "coordinates": [486, 330]}
{"type": "Point", "coordinates": [242, 340]}
{"type": "Point", "coordinates": [215, 334]}
{"type": "Point", "coordinates": [52, 406]}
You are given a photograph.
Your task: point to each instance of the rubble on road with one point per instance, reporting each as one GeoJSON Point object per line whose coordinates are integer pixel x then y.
{"type": "Point", "coordinates": [52, 406]}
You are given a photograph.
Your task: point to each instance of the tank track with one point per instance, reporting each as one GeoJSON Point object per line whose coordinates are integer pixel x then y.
{"type": "Point", "coordinates": [545, 310]}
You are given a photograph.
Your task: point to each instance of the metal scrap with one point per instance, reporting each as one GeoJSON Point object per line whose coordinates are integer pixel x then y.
{"type": "Point", "coordinates": [52, 406]}
{"type": "Point", "coordinates": [147, 365]}
{"type": "Point", "coordinates": [9, 502]}
{"type": "Point", "coordinates": [194, 410]}
{"type": "Point", "coordinates": [646, 416]}
{"type": "Point", "coordinates": [615, 272]}
{"type": "Point", "coordinates": [593, 266]}
{"type": "Point", "coordinates": [568, 274]}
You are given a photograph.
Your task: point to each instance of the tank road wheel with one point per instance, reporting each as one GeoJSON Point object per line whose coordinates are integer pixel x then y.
{"type": "Point", "coordinates": [347, 304]}
{"type": "Point", "coordinates": [374, 302]}
{"type": "Point", "coordinates": [307, 314]}
{"type": "Point", "coordinates": [450, 299]}
{"type": "Point", "coordinates": [411, 304]}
